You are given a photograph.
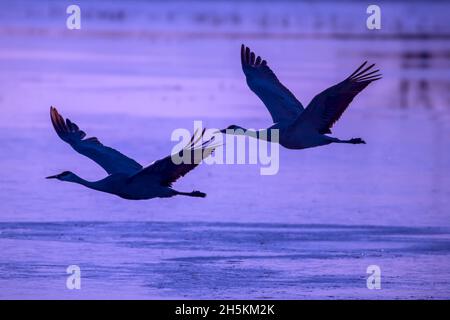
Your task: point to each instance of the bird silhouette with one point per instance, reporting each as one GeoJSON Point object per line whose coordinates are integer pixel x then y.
{"type": "Point", "coordinates": [127, 178]}
{"type": "Point", "coordinates": [299, 127]}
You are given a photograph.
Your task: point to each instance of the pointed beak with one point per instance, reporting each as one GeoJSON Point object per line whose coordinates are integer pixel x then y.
{"type": "Point", "coordinates": [52, 177]}
{"type": "Point", "coordinates": [220, 131]}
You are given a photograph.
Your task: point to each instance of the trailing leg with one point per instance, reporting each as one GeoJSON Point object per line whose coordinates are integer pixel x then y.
{"type": "Point", "coordinates": [351, 141]}
{"type": "Point", "coordinates": [192, 194]}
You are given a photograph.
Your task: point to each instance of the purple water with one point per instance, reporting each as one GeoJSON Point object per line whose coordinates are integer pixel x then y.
{"type": "Point", "coordinates": [138, 70]}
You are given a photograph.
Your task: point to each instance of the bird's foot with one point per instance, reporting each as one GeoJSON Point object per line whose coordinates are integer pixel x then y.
{"type": "Point", "coordinates": [357, 141]}
{"type": "Point", "coordinates": [197, 194]}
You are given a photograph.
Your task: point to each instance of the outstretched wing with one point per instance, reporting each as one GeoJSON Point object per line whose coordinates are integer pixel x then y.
{"type": "Point", "coordinates": [109, 159]}
{"type": "Point", "coordinates": [170, 169]}
{"type": "Point", "coordinates": [282, 104]}
{"type": "Point", "coordinates": [328, 106]}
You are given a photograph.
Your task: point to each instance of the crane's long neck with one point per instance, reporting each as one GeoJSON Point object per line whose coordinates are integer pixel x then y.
{"type": "Point", "coordinates": [96, 185]}
{"type": "Point", "coordinates": [263, 134]}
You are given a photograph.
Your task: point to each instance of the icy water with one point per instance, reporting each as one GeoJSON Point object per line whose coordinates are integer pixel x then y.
{"type": "Point", "coordinates": [138, 70]}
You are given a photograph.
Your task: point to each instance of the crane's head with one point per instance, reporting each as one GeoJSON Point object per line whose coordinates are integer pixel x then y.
{"type": "Point", "coordinates": [63, 176]}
